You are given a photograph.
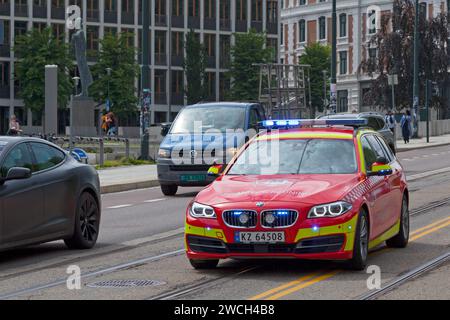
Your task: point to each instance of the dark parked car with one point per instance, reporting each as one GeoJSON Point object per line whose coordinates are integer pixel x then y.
{"type": "Point", "coordinates": [375, 121]}
{"type": "Point", "coordinates": [46, 195]}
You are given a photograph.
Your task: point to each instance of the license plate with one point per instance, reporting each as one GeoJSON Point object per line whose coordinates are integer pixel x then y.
{"type": "Point", "coordinates": [260, 237]}
{"type": "Point", "coordinates": [193, 178]}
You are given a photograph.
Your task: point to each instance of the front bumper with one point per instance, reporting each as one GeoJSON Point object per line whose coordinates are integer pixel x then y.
{"type": "Point", "coordinates": [331, 242]}
{"type": "Point", "coordinates": [169, 174]}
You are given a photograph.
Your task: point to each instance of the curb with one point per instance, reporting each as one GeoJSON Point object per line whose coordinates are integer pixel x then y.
{"type": "Point", "coordinates": [423, 147]}
{"type": "Point", "coordinates": [128, 186]}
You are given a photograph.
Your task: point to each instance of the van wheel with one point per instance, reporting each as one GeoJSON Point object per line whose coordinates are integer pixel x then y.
{"type": "Point", "coordinates": [204, 264]}
{"type": "Point", "coordinates": [402, 238]}
{"type": "Point", "coordinates": [169, 189]}
{"type": "Point", "coordinates": [87, 223]}
{"type": "Point", "coordinates": [361, 246]}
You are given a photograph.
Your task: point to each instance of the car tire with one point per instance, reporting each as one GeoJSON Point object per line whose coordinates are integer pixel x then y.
{"type": "Point", "coordinates": [402, 238]}
{"type": "Point", "coordinates": [87, 223]}
{"type": "Point", "coordinates": [169, 189]}
{"type": "Point", "coordinates": [204, 264]}
{"type": "Point", "coordinates": [361, 246]}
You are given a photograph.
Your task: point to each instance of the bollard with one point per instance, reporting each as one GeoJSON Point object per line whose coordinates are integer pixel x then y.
{"type": "Point", "coordinates": [102, 152]}
{"type": "Point", "coordinates": [127, 149]}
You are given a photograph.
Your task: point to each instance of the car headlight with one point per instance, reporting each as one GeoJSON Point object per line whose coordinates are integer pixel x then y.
{"type": "Point", "coordinates": [164, 153]}
{"type": "Point", "coordinates": [199, 210]}
{"type": "Point", "coordinates": [330, 210]}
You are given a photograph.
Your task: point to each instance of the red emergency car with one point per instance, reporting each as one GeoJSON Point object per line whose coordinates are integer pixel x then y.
{"type": "Point", "coordinates": [315, 189]}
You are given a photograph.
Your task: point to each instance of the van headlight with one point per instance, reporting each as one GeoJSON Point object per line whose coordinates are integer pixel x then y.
{"type": "Point", "coordinates": [330, 210]}
{"type": "Point", "coordinates": [164, 153]}
{"type": "Point", "coordinates": [199, 210]}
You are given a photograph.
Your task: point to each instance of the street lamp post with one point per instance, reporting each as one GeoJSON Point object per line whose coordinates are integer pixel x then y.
{"type": "Point", "coordinates": [76, 81]}
{"type": "Point", "coordinates": [108, 101]}
{"type": "Point", "coordinates": [333, 59]}
{"type": "Point", "coordinates": [416, 116]}
{"type": "Point", "coordinates": [145, 80]}
{"type": "Point", "coordinates": [325, 100]}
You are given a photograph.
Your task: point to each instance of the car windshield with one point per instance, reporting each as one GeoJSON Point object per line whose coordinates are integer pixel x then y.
{"type": "Point", "coordinates": [301, 156]}
{"type": "Point", "coordinates": [203, 119]}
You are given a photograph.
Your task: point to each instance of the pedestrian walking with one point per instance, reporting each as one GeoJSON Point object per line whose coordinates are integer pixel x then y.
{"type": "Point", "coordinates": [390, 120]}
{"type": "Point", "coordinates": [111, 121]}
{"type": "Point", "coordinates": [14, 127]}
{"type": "Point", "coordinates": [405, 123]}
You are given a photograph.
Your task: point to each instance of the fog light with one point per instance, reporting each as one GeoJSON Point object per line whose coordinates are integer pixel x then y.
{"type": "Point", "coordinates": [270, 218]}
{"type": "Point", "coordinates": [243, 218]}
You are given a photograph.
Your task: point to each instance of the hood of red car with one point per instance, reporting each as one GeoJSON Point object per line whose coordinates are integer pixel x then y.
{"type": "Point", "coordinates": [312, 189]}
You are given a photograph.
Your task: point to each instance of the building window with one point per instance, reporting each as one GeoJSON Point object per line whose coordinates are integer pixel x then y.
{"type": "Point", "coordinates": [194, 8]}
{"type": "Point", "coordinates": [272, 11]}
{"type": "Point", "coordinates": [302, 31]}
{"type": "Point", "coordinates": [343, 62]}
{"type": "Point", "coordinates": [211, 83]}
{"type": "Point", "coordinates": [241, 10]}
{"type": "Point", "coordinates": [342, 25]}
{"type": "Point", "coordinates": [177, 8]}
{"type": "Point", "coordinates": [373, 55]}
{"type": "Point", "coordinates": [257, 10]}
{"type": "Point", "coordinates": [210, 44]}
{"type": "Point", "coordinates": [322, 28]}
{"type": "Point", "coordinates": [110, 5]}
{"type": "Point", "coordinates": [373, 26]}
{"type": "Point", "coordinates": [4, 74]}
{"type": "Point", "coordinates": [210, 9]}
{"type": "Point", "coordinates": [342, 101]}
{"type": "Point", "coordinates": [177, 43]}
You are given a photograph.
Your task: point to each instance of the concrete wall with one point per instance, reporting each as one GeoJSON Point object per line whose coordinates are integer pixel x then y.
{"type": "Point", "coordinates": [437, 128]}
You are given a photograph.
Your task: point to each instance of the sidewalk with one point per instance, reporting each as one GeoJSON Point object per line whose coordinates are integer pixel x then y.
{"type": "Point", "coordinates": [422, 143]}
{"type": "Point", "coordinates": [138, 177]}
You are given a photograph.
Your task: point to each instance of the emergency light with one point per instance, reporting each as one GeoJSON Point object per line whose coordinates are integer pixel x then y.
{"type": "Point", "coordinates": [296, 123]}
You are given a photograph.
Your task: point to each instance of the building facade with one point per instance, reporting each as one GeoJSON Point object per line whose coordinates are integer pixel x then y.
{"type": "Point", "coordinates": [308, 21]}
{"type": "Point", "coordinates": [215, 21]}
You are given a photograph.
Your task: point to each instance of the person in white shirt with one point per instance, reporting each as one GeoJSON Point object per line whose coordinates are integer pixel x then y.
{"type": "Point", "coordinates": [390, 120]}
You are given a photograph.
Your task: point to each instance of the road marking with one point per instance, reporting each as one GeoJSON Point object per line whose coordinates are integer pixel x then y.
{"type": "Point", "coordinates": [330, 274]}
{"type": "Point", "coordinates": [159, 236]}
{"type": "Point", "coordinates": [284, 286]}
{"type": "Point", "coordinates": [427, 174]}
{"type": "Point", "coordinates": [155, 200]}
{"type": "Point", "coordinates": [120, 206]}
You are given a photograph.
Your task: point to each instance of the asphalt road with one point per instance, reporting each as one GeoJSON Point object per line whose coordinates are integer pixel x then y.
{"type": "Point", "coordinates": [145, 224]}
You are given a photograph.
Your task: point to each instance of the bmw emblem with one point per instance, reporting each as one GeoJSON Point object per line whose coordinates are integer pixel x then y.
{"type": "Point", "coordinates": [260, 204]}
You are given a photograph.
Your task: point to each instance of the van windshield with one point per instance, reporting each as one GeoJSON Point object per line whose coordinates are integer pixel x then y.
{"type": "Point", "coordinates": [2, 146]}
{"type": "Point", "coordinates": [202, 119]}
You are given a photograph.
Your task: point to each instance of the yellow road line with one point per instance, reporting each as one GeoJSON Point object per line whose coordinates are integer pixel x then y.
{"type": "Point", "coordinates": [300, 283]}
{"type": "Point", "coordinates": [284, 286]}
{"type": "Point", "coordinates": [429, 226]}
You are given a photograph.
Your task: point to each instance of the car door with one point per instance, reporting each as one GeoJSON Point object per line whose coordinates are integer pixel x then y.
{"type": "Point", "coordinates": [378, 190]}
{"type": "Point", "coordinates": [56, 183]}
{"type": "Point", "coordinates": [22, 209]}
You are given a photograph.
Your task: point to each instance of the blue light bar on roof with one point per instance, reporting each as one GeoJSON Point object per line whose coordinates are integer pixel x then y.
{"type": "Point", "coordinates": [295, 123]}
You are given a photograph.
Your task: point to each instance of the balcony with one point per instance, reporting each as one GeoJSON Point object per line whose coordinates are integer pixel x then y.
{"type": "Point", "coordinates": [127, 17]}
{"type": "Point", "coordinates": [110, 16]}
{"type": "Point", "coordinates": [5, 51]}
{"type": "Point", "coordinates": [178, 21]}
{"type": "Point", "coordinates": [58, 13]}
{"type": "Point", "coordinates": [177, 99]}
{"type": "Point", "coordinates": [160, 59]}
{"type": "Point", "coordinates": [194, 22]}
{"type": "Point", "coordinates": [4, 92]}
{"type": "Point", "coordinates": [177, 61]}
{"type": "Point", "coordinates": [272, 28]}
{"type": "Point", "coordinates": [93, 15]}
{"type": "Point", "coordinates": [241, 25]}
{"type": "Point", "coordinates": [21, 10]}
{"type": "Point", "coordinates": [211, 62]}
{"type": "Point", "coordinates": [257, 25]}
{"type": "Point", "coordinates": [39, 11]}
{"type": "Point", "coordinates": [160, 98]}
{"type": "Point", "coordinates": [5, 9]}
{"type": "Point", "coordinates": [210, 23]}
{"type": "Point", "coordinates": [225, 24]}
{"type": "Point", "coordinates": [160, 20]}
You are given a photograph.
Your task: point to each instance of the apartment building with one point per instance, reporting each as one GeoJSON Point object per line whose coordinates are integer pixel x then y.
{"type": "Point", "coordinates": [215, 21]}
{"type": "Point", "coordinates": [307, 21]}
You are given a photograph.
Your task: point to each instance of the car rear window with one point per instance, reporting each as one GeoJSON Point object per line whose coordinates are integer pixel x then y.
{"type": "Point", "coordinates": [297, 156]}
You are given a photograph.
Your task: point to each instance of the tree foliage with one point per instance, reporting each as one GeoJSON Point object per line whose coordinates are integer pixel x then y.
{"type": "Point", "coordinates": [395, 43]}
{"type": "Point", "coordinates": [195, 69]}
{"type": "Point", "coordinates": [318, 56]}
{"type": "Point", "coordinates": [116, 53]}
{"type": "Point", "coordinates": [35, 50]}
{"type": "Point", "coordinates": [249, 48]}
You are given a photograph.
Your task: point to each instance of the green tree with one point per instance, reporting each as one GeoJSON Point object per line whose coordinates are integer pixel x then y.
{"type": "Point", "coordinates": [319, 58]}
{"type": "Point", "coordinates": [195, 69]}
{"type": "Point", "coordinates": [117, 54]}
{"type": "Point", "coordinates": [35, 50]}
{"type": "Point", "coordinates": [249, 48]}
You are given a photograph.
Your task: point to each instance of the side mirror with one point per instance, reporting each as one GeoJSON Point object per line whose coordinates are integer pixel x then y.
{"type": "Point", "coordinates": [165, 127]}
{"type": "Point", "coordinates": [380, 167]}
{"type": "Point", "coordinates": [215, 170]}
{"type": "Point", "coordinates": [17, 173]}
